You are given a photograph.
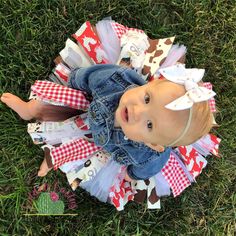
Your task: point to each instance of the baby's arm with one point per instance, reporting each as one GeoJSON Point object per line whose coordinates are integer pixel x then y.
{"type": "Point", "coordinates": [88, 79]}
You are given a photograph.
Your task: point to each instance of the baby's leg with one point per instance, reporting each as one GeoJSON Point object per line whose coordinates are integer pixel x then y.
{"type": "Point", "coordinates": [26, 110]}
{"type": "Point", "coordinates": [35, 109]}
{"type": "Point", "coordinates": [46, 165]}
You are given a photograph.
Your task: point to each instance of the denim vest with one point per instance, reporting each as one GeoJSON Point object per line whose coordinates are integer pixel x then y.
{"type": "Point", "coordinates": [106, 84]}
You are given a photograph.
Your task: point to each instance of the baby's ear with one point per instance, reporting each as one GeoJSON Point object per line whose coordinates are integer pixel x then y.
{"type": "Point", "coordinates": [156, 147]}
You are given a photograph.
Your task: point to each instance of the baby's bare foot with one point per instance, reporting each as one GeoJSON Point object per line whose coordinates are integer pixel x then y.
{"type": "Point", "coordinates": [44, 169]}
{"type": "Point", "coordinates": [18, 105]}
{"type": "Point", "coordinates": [46, 165]}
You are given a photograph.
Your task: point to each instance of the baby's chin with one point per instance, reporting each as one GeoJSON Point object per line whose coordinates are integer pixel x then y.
{"type": "Point", "coordinates": [130, 136]}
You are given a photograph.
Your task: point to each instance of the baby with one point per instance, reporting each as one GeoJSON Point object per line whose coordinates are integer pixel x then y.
{"type": "Point", "coordinates": [136, 122]}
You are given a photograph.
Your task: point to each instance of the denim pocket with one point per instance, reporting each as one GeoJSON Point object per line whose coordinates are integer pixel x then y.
{"type": "Point", "coordinates": [111, 85]}
{"type": "Point", "coordinates": [95, 114]}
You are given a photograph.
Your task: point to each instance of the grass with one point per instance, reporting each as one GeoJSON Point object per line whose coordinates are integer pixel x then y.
{"type": "Point", "coordinates": [33, 32]}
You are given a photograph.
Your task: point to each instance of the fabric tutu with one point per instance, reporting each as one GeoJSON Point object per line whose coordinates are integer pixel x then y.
{"type": "Point", "coordinates": [70, 141]}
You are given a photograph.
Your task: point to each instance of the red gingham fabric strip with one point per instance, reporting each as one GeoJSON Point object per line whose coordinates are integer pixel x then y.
{"type": "Point", "coordinates": [59, 93]}
{"type": "Point", "coordinates": [175, 176]}
{"type": "Point", "coordinates": [211, 101]}
{"type": "Point", "coordinates": [121, 29]}
{"type": "Point", "coordinates": [74, 150]}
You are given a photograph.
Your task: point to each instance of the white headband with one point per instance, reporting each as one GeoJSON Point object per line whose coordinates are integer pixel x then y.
{"type": "Point", "coordinates": [194, 93]}
{"type": "Point", "coordinates": [185, 130]}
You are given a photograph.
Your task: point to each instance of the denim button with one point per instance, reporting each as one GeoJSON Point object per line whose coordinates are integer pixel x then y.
{"type": "Point", "coordinates": [93, 114]}
{"type": "Point", "coordinates": [101, 139]}
{"type": "Point", "coordinates": [119, 158]}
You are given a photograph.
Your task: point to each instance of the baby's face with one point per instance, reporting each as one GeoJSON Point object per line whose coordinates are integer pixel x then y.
{"type": "Point", "coordinates": [142, 115]}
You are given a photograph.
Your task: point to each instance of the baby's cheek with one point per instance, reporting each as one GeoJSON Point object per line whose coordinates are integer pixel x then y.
{"type": "Point", "coordinates": [133, 134]}
{"type": "Point", "coordinates": [124, 98]}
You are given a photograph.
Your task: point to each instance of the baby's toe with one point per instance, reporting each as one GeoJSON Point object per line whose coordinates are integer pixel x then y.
{"type": "Point", "coordinates": [42, 173]}
{"type": "Point", "coordinates": [5, 96]}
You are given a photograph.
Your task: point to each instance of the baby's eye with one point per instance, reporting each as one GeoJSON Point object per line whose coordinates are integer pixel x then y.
{"type": "Point", "coordinates": [149, 125]}
{"type": "Point", "coordinates": [147, 98]}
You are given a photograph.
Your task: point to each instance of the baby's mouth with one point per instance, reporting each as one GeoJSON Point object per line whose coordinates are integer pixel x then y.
{"type": "Point", "coordinates": [125, 115]}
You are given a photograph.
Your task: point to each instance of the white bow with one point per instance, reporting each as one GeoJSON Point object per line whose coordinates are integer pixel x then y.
{"type": "Point", "coordinates": [189, 78]}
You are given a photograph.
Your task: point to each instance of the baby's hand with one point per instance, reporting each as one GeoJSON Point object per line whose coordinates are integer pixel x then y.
{"type": "Point", "coordinates": [127, 178]}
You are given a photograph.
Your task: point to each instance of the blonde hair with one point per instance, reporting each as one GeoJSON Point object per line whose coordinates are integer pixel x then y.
{"type": "Point", "coordinates": [201, 118]}
{"type": "Point", "coordinates": [201, 123]}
